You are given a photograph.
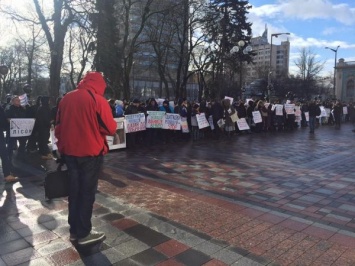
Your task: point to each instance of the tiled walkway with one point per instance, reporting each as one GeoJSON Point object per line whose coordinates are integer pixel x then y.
{"type": "Point", "coordinates": [280, 199]}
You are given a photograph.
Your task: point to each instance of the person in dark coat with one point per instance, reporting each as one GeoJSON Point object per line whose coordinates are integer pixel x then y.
{"type": "Point", "coordinates": [5, 160]}
{"type": "Point", "coordinates": [217, 112]}
{"type": "Point", "coordinates": [16, 111]}
{"type": "Point", "coordinates": [33, 139]}
{"type": "Point", "coordinates": [43, 119]}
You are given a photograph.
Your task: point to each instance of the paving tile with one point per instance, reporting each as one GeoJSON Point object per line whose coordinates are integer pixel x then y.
{"type": "Point", "coordinates": [20, 256]}
{"type": "Point", "coordinates": [64, 257]}
{"type": "Point", "coordinates": [13, 246]}
{"type": "Point", "coordinates": [227, 256]}
{"type": "Point", "coordinates": [192, 257]}
{"type": "Point", "coordinates": [170, 262]}
{"type": "Point", "coordinates": [171, 248]}
{"type": "Point", "coordinates": [123, 224]}
{"type": "Point", "coordinates": [146, 235]}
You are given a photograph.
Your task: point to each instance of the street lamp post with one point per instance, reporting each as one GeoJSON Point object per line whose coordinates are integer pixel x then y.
{"type": "Point", "coordinates": [335, 65]}
{"type": "Point", "coordinates": [246, 50]}
{"type": "Point", "coordinates": [270, 69]}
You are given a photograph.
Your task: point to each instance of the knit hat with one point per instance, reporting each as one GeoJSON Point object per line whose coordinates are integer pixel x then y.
{"type": "Point", "coordinates": [136, 101]}
{"type": "Point", "coordinates": [119, 102]}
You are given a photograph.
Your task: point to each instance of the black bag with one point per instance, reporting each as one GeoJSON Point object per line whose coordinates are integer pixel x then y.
{"type": "Point", "coordinates": [56, 183]}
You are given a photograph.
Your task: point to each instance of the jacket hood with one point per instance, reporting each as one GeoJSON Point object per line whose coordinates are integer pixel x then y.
{"type": "Point", "coordinates": [93, 81]}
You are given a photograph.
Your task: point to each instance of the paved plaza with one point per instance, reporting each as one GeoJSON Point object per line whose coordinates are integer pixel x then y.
{"type": "Point", "coordinates": [281, 198]}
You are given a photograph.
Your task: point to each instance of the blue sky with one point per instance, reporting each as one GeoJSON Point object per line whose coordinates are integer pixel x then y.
{"type": "Point", "coordinates": [313, 24]}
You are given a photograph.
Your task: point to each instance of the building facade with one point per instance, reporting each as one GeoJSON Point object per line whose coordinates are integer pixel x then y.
{"type": "Point", "coordinates": [345, 80]}
{"type": "Point", "coordinates": [280, 58]}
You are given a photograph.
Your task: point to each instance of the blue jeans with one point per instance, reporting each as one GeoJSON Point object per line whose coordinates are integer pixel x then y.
{"type": "Point", "coordinates": [312, 123]}
{"type": "Point", "coordinates": [84, 175]}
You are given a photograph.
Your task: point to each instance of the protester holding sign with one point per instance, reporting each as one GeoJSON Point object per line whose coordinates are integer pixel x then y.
{"type": "Point", "coordinates": [194, 124]}
{"type": "Point", "coordinates": [16, 111]}
{"type": "Point", "coordinates": [151, 132]}
{"type": "Point", "coordinates": [229, 110]}
{"type": "Point", "coordinates": [84, 120]}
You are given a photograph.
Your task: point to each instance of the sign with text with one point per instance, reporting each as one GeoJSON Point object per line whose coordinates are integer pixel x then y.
{"type": "Point", "coordinates": [135, 122]}
{"type": "Point", "coordinates": [290, 108]}
{"type": "Point", "coordinates": [21, 127]}
{"type": "Point", "coordinates": [279, 109]}
{"type": "Point", "coordinates": [155, 119]}
{"type": "Point", "coordinates": [202, 121]}
{"type": "Point", "coordinates": [345, 110]}
{"type": "Point", "coordinates": [257, 117]}
{"type": "Point", "coordinates": [172, 121]}
{"type": "Point", "coordinates": [242, 124]}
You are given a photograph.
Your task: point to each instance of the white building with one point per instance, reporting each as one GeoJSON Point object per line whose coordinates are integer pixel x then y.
{"type": "Point", "coordinates": [280, 58]}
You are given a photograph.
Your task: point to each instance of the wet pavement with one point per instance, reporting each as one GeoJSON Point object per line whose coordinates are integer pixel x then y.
{"type": "Point", "coordinates": [282, 198]}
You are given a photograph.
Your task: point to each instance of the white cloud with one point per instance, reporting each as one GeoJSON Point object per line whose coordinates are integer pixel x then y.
{"type": "Point", "coordinates": [308, 9]}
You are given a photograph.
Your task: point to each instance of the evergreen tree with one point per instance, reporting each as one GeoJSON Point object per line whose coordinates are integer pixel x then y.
{"type": "Point", "coordinates": [225, 25]}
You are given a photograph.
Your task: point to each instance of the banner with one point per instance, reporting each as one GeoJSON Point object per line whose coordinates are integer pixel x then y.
{"type": "Point", "coordinates": [135, 122]}
{"type": "Point", "coordinates": [242, 124]}
{"type": "Point", "coordinates": [21, 127]}
{"type": "Point", "coordinates": [257, 117]}
{"type": "Point", "coordinates": [202, 121]}
{"type": "Point", "coordinates": [119, 139]}
{"type": "Point", "coordinates": [155, 119]}
{"type": "Point", "coordinates": [172, 121]}
{"type": "Point", "coordinates": [290, 108]}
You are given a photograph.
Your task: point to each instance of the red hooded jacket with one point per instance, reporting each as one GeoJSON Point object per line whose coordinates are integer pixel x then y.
{"type": "Point", "coordinates": [84, 118]}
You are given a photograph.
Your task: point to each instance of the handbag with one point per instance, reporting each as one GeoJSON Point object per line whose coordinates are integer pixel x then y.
{"type": "Point", "coordinates": [57, 183]}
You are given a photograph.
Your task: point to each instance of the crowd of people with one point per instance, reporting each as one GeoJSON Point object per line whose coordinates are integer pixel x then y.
{"type": "Point", "coordinates": [222, 112]}
{"type": "Point", "coordinates": [83, 119]}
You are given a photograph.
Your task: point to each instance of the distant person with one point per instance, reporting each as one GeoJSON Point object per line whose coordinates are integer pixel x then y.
{"type": "Point", "coordinates": [5, 160]}
{"type": "Point", "coordinates": [15, 110]}
{"type": "Point", "coordinates": [84, 119]}
{"type": "Point", "coordinates": [313, 111]}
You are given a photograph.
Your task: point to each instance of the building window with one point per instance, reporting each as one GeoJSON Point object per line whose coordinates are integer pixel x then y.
{"type": "Point", "coordinates": [350, 88]}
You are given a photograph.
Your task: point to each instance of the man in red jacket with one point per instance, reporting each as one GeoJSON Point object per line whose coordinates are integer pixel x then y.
{"type": "Point", "coordinates": [84, 118]}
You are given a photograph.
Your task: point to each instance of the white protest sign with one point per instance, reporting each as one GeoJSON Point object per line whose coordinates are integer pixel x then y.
{"type": "Point", "coordinates": [21, 127]}
{"type": "Point", "coordinates": [230, 99]}
{"type": "Point", "coordinates": [306, 114]}
{"type": "Point", "coordinates": [327, 110]}
{"type": "Point", "coordinates": [323, 112]}
{"type": "Point", "coordinates": [290, 108]}
{"type": "Point", "coordinates": [345, 110]}
{"type": "Point", "coordinates": [279, 109]}
{"type": "Point", "coordinates": [53, 140]}
{"type": "Point", "coordinates": [135, 122]}
{"type": "Point", "coordinates": [184, 125]}
{"type": "Point", "coordinates": [257, 117]}
{"type": "Point", "coordinates": [202, 121]}
{"type": "Point", "coordinates": [118, 140]}
{"type": "Point", "coordinates": [155, 119]}
{"type": "Point", "coordinates": [242, 124]}
{"type": "Point", "coordinates": [210, 121]}
{"type": "Point", "coordinates": [172, 121]}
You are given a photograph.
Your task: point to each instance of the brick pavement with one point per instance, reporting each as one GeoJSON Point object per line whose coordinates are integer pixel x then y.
{"type": "Point", "coordinates": [255, 200]}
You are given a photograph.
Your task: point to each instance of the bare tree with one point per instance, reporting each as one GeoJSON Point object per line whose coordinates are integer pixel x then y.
{"type": "Point", "coordinates": [54, 23]}
{"type": "Point", "coordinates": [309, 69]}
